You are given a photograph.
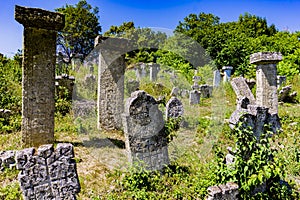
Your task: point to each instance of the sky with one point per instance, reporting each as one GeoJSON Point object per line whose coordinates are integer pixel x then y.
{"type": "Point", "coordinates": [159, 14]}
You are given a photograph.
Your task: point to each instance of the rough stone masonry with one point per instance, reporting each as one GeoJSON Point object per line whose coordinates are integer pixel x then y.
{"type": "Point", "coordinates": [146, 143]}
{"type": "Point", "coordinates": [48, 173]}
{"type": "Point", "coordinates": [38, 78]}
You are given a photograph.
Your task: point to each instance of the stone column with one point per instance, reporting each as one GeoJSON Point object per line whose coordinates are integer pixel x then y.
{"type": "Point", "coordinates": [227, 73]}
{"type": "Point", "coordinates": [266, 79]}
{"type": "Point", "coordinates": [111, 81]}
{"type": "Point", "coordinates": [38, 78]}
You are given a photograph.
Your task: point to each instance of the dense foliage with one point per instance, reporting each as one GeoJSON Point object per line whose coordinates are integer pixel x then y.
{"type": "Point", "coordinates": [10, 93]}
{"type": "Point", "coordinates": [231, 43]}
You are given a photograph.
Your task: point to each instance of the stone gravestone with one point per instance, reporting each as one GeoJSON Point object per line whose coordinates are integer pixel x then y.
{"type": "Point", "coordinates": [110, 81]}
{"type": "Point", "coordinates": [154, 69]}
{"type": "Point", "coordinates": [242, 90]}
{"type": "Point", "coordinates": [48, 174]}
{"type": "Point", "coordinates": [132, 85]}
{"type": "Point", "coordinates": [205, 90]}
{"type": "Point", "coordinates": [227, 73]}
{"type": "Point", "coordinates": [174, 108]}
{"type": "Point", "coordinates": [266, 79]}
{"type": "Point", "coordinates": [7, 159]}
{"type": "Point", "coordinates": [38, 82]}
{"type": "Point", "coordinates": [229, 191]}
{"type": "Point", "coordinates": [143, 122]}
{"type": "Point", "coordinates": [194, 97]}
{"type": "Point", "coordinates": [217, 78]}
{"type": "Point", "coordinates": [281, 80]}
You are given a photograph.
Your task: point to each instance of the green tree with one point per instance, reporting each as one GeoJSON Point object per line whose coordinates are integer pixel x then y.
{"type": "Point", "coordinates": [81, 28]}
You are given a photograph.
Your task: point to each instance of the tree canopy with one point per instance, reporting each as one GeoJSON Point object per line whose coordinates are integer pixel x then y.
{"type": "Point", "coordinates": [81, 28]}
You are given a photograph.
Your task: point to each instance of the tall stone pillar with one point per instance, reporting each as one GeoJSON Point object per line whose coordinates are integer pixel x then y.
{"type": "Point", "coordinates": [38, 78]}
{"type": "Point", "coordinates": [266, 79]}
{"type": "Point", "coordinates": [110, 100]}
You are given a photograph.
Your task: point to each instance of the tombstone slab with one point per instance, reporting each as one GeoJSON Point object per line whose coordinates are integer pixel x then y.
{"type": "Point", "coordinates": [143, 122]}
{"type": "Point", "coordinates": [242, 89]}
{"type": "Point", "coordinates": [38, 78]}
{"type": "Point", "coordinates": [217, 78]}
{"type": "Point", "coordinates": [48, 173]}
{"type": "Point", "coordinates": [194, 97]}
{"type": "Point", "coordinates": [110, 81]}
{"type": "Point", "coordinates": [174, 108]}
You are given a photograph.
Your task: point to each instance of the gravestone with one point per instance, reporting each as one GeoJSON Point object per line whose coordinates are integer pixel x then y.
{"type": "Point", "coordinates": [217, 78]}
{"type": "Point", "coordinates": [227, 73]}
{"type": "Point", "coordinates": [154, 69]}
{"type": "Point", "coordinates": [110, 81]}
{"type": "Point", "coordinates": [194, 97]}
{"type": "Point", "coordinates": [7, 159]}
{"type": "Point", "coordinates": [281, 81]}
{"type": "Point", "coordinates": [266, 79]}
{"type": "Point", "coordinates": [175, 91]}
{"type": "Point", "coordinates": [229, 191]}
{"type": "Point", "coordinates": [174, 108]}
{"type": "Point", "coordinates": [205, 90]}
{"type": "Point", "coordinates": [242, 89]}
{"type": "Point", "coordinates": [132, 85]}
{"type": "Point", "coordinates": [38, 78]}
{"type": "Point", "coordinates": [143, 122]}
{"type": "Point", "coordinates": [48, 173]}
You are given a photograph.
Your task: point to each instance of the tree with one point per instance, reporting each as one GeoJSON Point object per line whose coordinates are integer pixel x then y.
{"type": "Point", "coordinates": [81, 28]}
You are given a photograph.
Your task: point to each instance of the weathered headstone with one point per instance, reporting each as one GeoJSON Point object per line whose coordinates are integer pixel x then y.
{"type": "Point", "coordinates": [132, 85]}
{"type": "Point", "coordinates": [205, 90]}
{"type": "Point", "coordinates": [154, 69]}
{"type": "Point", "coordinates": [38, 82]}
{"type": "Point", "coordinates": [143, 122]}
{"type": "Point", "coordinates": [280, 81]}
{"type": "Point", "coordinates": [194, 97]}
{"type": "Point", "coordinates": [174, 108]}
{"type": "Point", "coordinates": [229, 191]}
{"type": "Point", "coordinates": [242, 89]}
{"type": "Point", "coordinates": [266, 79]}
{"type": "Point", "coordinates": [175, 91]}
{"type": "Point", "coordinates": [217, 78]}
{"type": "Point", "coordinates": [111, 81]}
{"type": "Point", "coordinates": [48, 174]}
{"type": "Point", "coordinates": [227, 73]}
{"type": "Point", "coordinates": [7, 159]}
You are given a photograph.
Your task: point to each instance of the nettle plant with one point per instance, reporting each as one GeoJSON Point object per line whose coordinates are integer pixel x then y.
{"type": "Point", "coordinates": [256, 169]}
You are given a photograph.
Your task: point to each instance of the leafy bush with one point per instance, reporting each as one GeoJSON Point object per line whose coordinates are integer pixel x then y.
{"type": "Point", "coordinates": [256, 168]}
{"type": "Point", "coordinates": [10, 94]}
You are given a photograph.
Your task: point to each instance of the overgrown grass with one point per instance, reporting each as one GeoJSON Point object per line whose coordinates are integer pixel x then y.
{"type": "Point", "coordinates": [101, 157]}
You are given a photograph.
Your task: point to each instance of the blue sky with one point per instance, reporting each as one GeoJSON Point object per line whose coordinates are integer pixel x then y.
{"type": "Point", "coordinates": [153, 13]}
